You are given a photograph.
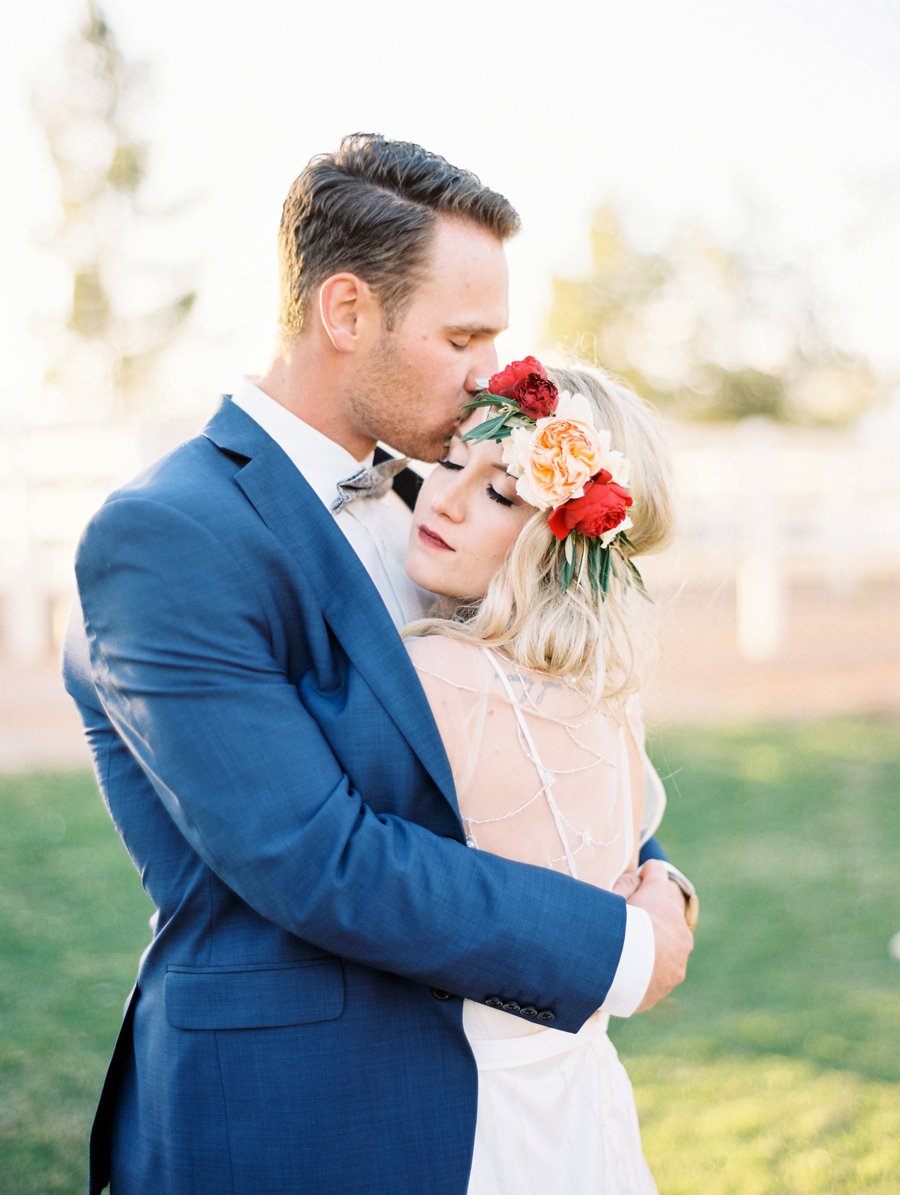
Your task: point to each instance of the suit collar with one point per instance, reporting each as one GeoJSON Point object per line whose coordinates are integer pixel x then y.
{"type": "Point", "coordinates": [321, 461]}
{"type": "Point", "coordinates": [344, 590]}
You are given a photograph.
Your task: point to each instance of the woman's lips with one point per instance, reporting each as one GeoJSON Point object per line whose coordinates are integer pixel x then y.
{"type": "Point", "coordinates": [433, 540]}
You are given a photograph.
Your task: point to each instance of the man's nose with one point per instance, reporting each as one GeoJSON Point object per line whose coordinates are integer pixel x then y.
{"type": "Point", "coordinates": [482, 365]}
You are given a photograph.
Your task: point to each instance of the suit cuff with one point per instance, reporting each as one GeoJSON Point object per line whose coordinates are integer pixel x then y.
{"type": "Point", "coordinates": [635, 967]}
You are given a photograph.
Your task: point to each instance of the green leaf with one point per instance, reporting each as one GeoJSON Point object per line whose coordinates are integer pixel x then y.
{"type": "Point", "coordinates": [503, 405]}
{"type": "Point", "coordinates": [487, 400]}
{"type": "Point", "coordinates": [604, 569]}
{"type": "Point", "coordinates": [636, 578]}
{"type": "Point", "coordinates": [496, 424]}
{"type": "Point", "coordinates": [595, 564]}
{"type": "Point", "coordinates": [571, 556]}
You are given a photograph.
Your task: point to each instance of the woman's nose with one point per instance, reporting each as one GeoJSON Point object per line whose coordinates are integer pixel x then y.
{"type": "Point", "coordinates": [450, 499]}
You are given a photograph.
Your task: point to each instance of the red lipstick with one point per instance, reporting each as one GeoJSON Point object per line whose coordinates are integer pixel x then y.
{"type": "Point", "coordinates": [432, 539]}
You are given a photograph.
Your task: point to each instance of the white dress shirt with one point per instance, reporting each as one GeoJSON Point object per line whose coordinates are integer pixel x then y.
{"type": "Point", "coordinates": [377, 529]}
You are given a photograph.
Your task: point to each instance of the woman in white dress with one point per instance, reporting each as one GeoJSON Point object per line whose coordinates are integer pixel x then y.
{"type": "Point", "coordinates": [532, 669]}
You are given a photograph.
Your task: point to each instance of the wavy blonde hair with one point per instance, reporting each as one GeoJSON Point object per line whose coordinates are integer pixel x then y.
{"type": "Point", "coordinates": [600, 644]}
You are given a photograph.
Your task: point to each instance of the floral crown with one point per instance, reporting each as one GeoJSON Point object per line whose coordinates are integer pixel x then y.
{"type": "Point", "coordinates": [562, 463]}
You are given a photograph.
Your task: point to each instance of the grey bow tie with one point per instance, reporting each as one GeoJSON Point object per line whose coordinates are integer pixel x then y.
{"type": "Point", "coordinates": [373, 482]}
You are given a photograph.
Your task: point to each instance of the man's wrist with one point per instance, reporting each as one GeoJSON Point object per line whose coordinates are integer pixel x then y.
{"type": "Point", "coordinates": [635, 968]}
{"type": "Point", "coordinates": [691, 900]}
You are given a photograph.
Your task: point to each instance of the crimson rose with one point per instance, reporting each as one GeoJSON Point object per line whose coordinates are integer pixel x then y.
{"type": "Point", "coordinates": [603, 506]}
{"type": "Point", "coordinates": [526, 383]}
{"type": "Point", "coordinates": [502, 383]}
{"type": "Point", "coordinates": [537, 397]}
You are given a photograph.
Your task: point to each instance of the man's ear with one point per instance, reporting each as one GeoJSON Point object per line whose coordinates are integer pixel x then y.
{"type": "Point", "coordinates": [349, 311]}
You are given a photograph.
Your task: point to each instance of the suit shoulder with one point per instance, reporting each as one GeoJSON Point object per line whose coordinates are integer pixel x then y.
{"type": "Point", "coordinates": [194, 479]}
{"type": "Point", "coordinates": [178, 474]}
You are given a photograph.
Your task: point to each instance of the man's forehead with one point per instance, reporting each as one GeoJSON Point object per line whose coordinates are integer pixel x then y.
{"type": "Point", "coordinates": [465, 280]}
{"type": "Point", "coordinates": [460, 246]}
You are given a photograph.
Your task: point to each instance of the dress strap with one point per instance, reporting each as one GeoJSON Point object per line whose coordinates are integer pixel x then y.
{"type": "Point", "coordinates": [546, 776]}
{"type": "Point", "coordinates": [523, 725]}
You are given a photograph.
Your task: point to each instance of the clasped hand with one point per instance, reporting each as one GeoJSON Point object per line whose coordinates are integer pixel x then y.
{"type": "Point", "coordinates": [649, 888]}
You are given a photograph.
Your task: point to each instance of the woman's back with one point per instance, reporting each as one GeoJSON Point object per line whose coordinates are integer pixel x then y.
{"type": "Point", "coordinates": [541, 777]}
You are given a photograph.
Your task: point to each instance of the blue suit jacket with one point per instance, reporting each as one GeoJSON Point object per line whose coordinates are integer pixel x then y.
{"type": "Point", "coordinates": [267, 754]}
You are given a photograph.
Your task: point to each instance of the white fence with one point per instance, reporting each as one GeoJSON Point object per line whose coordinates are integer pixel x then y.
{"type": "Point", "coordinates": [51, 480]}
{"type": "Point", "coordinates": [762, 504]}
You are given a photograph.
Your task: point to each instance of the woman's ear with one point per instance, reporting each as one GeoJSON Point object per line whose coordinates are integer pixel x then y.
{"type": "Point", "coordinates": [349, 311]}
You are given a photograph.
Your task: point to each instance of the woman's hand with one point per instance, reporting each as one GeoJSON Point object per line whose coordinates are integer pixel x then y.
{"type": "Point", "coordinates": [627, 884]}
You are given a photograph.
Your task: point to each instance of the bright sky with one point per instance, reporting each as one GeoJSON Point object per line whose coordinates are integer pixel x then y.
{"type": "Point", "coordinates": [673, 109]}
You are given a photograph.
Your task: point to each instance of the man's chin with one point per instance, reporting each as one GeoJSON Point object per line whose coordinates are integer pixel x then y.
{"type": "Point", "coordinates": [427, 451]}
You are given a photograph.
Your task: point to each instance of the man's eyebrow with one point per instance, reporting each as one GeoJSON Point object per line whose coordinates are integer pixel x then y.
{"type": "Point", "coordinates": [475, 329]}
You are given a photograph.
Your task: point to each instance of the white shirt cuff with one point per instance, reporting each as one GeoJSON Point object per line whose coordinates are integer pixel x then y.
{"type": "Point", "coordinates": [635, 967]}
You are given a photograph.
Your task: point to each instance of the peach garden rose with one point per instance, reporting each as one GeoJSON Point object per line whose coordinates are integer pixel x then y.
{"type": "Point", "coordinates": [555, 462]}
{"type": "Point", "coordinates": [561, 463]}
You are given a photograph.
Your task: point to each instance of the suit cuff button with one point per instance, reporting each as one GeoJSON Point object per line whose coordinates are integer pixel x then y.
{"type": "Point", "coordinates": [546, 1015]}
{"type": "Point", "coordinates": [511, 1006]}
{"type": "Point", "coordinates": [440, 994]}
{"type": "Point", "coordinates": [529, 1011]}
{"type": "Point", "coordinates": [494, 1002]}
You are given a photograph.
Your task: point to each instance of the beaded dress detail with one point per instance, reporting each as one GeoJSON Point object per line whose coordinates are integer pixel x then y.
{"type": "Point", "coordinates": [544, 778]}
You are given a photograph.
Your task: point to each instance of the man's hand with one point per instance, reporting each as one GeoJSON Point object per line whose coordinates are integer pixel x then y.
{"type": "Point", "coordinates": [664, 902]}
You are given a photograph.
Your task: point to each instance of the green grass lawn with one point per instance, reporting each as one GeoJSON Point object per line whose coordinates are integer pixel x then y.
{"type": "Point", "coordinates": [773, 1071]}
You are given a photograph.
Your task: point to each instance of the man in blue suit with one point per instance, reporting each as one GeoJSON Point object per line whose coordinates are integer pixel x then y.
{"type": "Point", "coordinates": [269, 759]}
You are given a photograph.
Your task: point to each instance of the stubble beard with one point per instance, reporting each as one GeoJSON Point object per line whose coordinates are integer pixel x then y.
{"type": "Point", "coordinates": [385, 409]}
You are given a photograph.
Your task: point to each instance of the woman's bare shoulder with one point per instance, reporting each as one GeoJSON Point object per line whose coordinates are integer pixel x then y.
{"type": "Point", "coordinates": [446, 657]}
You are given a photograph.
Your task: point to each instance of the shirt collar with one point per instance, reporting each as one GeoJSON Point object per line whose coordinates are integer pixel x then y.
{"type": "Point", "coordinates": [321, 461]}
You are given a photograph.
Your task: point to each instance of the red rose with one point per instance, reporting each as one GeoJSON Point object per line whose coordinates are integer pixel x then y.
{"type": "Point", "coordinates": [502, 383]}
{"type": "Point", "coordinates": [602, 507]}
{"type": "Point", "coordinates": [536, 396]}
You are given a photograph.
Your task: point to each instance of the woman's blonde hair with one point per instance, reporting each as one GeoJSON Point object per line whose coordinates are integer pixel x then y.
{"type": "Point", "coordinates": [597, 643]}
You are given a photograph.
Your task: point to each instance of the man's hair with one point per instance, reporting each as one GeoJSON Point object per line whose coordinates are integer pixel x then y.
{"type": "Point", "coordinates": [371, 209]}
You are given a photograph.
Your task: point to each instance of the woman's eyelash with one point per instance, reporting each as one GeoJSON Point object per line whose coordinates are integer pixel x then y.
{"type": "Point", "coordinates": [446, 463]}
{"type": "Point", "coordinates": [492, 493]}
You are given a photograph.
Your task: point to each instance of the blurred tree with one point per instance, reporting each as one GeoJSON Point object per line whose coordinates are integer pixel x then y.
{"type": "Point", "coordinates": [121, 315]}
{"type": "Point", "coordinates": [708, 331]}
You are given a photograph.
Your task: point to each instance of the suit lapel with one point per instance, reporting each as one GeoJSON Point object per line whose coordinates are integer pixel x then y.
{"type": "Point", "coordinates": [346, 594]}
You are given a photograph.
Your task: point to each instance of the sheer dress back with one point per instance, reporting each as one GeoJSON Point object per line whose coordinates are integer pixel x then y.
{"type": "Point", "coordinates": [544, 778]}
{"type": "Point", "coordinates": [540, 776]}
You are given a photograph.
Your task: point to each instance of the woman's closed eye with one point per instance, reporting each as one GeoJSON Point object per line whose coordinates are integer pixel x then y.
{"type": "Point", "coordinates": [494, 494]}
{"type": "Point", "coordinates": [446, 463]}
{"type": "Point", "coordinates": [498, 497]}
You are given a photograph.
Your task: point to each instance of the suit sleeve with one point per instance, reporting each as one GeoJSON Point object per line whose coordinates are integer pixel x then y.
{"type": "Point", "coordinates": [651, 850]}
{"type": "Point", "coordinates": [181, 658]}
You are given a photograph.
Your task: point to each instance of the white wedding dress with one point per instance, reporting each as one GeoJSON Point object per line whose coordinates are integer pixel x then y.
{"type": "Point", "coordinates": [544, 779]}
